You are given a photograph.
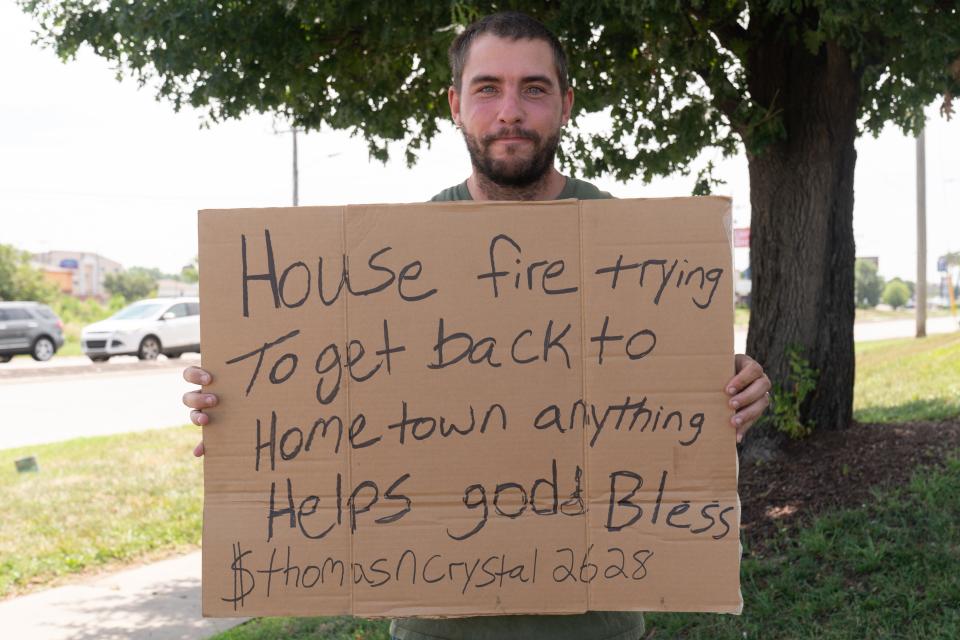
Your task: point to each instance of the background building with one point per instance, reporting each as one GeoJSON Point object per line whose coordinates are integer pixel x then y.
{"type": "Point", "coordinates": [86, 272]}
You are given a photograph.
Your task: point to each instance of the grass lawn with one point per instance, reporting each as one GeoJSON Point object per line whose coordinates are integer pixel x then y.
{"type": "Point", "coordinates": [71, 339]}
{"type": "Point", "coordinates": [890, 569]}
{"type": "Point", "coordinates": [97, 502]}
{"type": "Point", "coordinates": [71, 347]}
{"type": "Point", "coordinates": [908, 379]}
{"type": "Point", "coordinates": [331, 628]}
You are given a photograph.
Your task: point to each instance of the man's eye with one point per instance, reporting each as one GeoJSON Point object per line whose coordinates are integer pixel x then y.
{"type": "Point", "coordinates": [536, 91]}
{"type": "Point", "coordinates": [488, 89]}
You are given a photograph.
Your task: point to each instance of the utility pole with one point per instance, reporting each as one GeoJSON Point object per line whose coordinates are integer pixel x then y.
{"type": "Point", "coordinates": [296, 172]}
{"type": "Point", "coordinates": [921, 288]}
{"type": "Point", "coordinates": [296, 177]}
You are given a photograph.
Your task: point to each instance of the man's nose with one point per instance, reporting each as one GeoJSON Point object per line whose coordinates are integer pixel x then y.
{"type": "Point", "coordinates": [511, 108]}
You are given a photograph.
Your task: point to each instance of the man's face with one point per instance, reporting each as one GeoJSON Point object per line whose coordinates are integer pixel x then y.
{"type": "Point", "coordinates": [510, 108]}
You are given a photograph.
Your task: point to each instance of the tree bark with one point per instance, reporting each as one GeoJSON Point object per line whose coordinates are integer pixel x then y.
{"type": "Point", "coordinates": [801, 241]}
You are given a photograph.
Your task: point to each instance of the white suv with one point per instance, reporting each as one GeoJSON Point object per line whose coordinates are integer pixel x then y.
{"type": "Point", "coordinates": [146, 329]}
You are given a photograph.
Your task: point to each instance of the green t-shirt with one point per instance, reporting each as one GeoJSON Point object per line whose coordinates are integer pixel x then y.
{"type": "Point", "coordinates": [573, 188]}
{"type": "Point", "coordinates": [593, 625]}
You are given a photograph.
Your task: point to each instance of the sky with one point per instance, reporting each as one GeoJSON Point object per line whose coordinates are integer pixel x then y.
{"type": "Point", "coordinates": [88, 163]}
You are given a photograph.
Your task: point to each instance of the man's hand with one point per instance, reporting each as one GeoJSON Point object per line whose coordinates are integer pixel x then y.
{"type": "Point", "coordinates": [749, 391]}
{"type": "Point", "coordinates": [198, 400]}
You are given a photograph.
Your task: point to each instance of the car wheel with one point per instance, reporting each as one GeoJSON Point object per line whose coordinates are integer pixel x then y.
{"type": "Point", "coordinates": [43, 349]}
{"type": "Point", "coordinates": [173, 356]}
{"type": "Point", "coordinates": [149, 348]}
{"type": "Point", "coordinates": [99, 358]}
{"type": "Point", "coordinates": [6, 358]}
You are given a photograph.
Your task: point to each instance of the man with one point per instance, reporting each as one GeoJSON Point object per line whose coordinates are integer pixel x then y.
{"type": "Point", "coordinates": [511, 98]}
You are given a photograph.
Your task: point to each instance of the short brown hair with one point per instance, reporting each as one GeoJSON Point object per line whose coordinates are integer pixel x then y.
{"type": "Point", "coordinates": [506, 24]}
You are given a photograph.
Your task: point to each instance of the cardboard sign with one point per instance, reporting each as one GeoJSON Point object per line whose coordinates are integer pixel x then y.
{"type": "Point", "coordinates": [459, 409]}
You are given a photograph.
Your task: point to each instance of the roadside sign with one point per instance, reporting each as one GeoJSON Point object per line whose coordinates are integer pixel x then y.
{"type": "Point", "coordinates": [741, 237]}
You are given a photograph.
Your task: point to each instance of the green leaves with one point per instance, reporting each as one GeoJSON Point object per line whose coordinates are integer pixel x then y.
{"type": "Point", "coordinates": [19, 280]}
{"type": "Point", "coordinates": [788, 399]}
{"type": "Point", "coordinates": [676, 78]}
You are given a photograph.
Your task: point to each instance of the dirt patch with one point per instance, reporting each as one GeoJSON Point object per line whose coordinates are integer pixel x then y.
{"type": "Point", "coordinates": [836, 470]}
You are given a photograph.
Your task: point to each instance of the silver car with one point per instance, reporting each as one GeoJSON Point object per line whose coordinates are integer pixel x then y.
{"type": "Point", "coordinates": [29, 327]}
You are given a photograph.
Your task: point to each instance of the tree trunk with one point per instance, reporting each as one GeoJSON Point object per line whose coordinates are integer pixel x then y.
{"type": "Point", "coordinates": [801, 241]}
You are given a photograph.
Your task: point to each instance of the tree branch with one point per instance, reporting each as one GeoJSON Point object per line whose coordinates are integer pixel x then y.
{"type": "Point", "coordinates": [726, 29]}
{"type": "Point", "coordinates": [726, 96]}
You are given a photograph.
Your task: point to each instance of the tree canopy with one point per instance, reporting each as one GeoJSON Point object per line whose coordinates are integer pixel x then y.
{"type": "Point", "coordinates": [19, 280]}
{"type": "Point", "coordinates": [868, 284]}
{"type": "Point", "coordinates": [132, 284]}
{"type": "Point", "coordinates": [675, 76]}
{"type": "Point", "coordinates": [896, 293]}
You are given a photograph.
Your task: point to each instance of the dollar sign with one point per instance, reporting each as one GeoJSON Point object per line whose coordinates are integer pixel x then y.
{"type": "Point", "coordinates": [240, 590]}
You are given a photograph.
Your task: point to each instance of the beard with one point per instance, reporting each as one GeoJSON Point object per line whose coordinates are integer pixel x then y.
{"type": "Point", "coordinates": [513, 171]}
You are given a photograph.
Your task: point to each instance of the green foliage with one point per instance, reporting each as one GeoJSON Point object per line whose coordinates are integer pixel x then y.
{"type": "Point", "coordinates": [706, 182]}
{"type": "Point", "coordinates": [789, 397]}
{"type": "Point", "coordinates": [868, 284]}
{"type": "Point", "coordinates": [883, 570]}
{"type": "Point", "coordinates": [75, 311]}
{"type": "Point", "coordinates": [674, 78]}
{"type": "Point", "coordinates": [191, 272]}
{"type": "Point", "coordinates": [896, 293]}
{"type": "Point", "coordinates": [331, 628]}
{"type": "Point", "coordinates": [132, 284]}
{"type": "Point", "coordinates": [911, 286]}
{"type": "Point", "coordinates": [21, 281]}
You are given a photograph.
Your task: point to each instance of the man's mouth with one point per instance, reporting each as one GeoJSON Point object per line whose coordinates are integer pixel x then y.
{"type": "Point", "coordinates": [515, 136]}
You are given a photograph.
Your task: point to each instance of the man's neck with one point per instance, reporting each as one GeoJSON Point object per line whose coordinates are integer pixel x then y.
{"type": "Point", "coordinates": [547, 188]}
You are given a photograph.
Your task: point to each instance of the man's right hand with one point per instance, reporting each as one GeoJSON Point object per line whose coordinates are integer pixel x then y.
{"type": "Point", "coordinates": [198, 400]}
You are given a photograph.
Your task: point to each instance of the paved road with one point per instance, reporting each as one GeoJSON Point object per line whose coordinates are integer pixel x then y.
{"type": "Point", "coordinates": [866, 331]}
{"type": "Point", "coordinates": [869, 331]}
{"type": "Point", "coordinates": [62, 403]}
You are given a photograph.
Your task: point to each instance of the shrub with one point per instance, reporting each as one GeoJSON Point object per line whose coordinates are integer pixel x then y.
{"type": "Point", "coordinates": [896, 294]}
{"type": "Point", "coordinates": [789, 397]}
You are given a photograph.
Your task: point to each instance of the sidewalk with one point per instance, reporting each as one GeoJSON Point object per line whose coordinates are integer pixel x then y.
{"type": "Point", "coordinates": [159, 601]}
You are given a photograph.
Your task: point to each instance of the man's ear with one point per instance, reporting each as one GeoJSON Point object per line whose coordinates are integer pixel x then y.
{"type": "Point", "coordinates": [453, 97]}
{"type": "Point", "coordinates": [567, 107]}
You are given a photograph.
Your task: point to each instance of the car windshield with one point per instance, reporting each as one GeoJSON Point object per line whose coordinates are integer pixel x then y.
{"type": "Point", "coordinates": [47, 313]}
{"type": "Point", "coordinates": [137, 311]}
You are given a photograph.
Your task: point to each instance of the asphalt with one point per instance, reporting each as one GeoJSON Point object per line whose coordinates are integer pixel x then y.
{"type": "Point", "coordinates": [161, 601]}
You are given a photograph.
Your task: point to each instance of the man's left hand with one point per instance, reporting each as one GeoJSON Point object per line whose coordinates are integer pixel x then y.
{"type": "Point", "coordinates": [749, 392]}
